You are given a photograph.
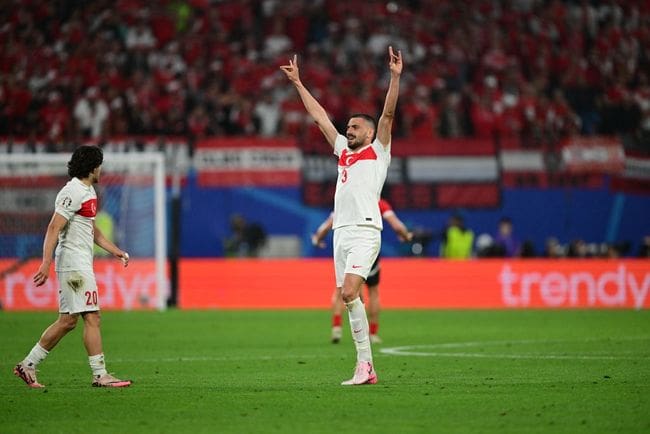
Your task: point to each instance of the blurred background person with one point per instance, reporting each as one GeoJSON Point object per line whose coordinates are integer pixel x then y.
{"type": "Point", "coordinates": [457, 240]}
{"type": "Point", "coordinates": [505, 242]}
{"type": "Point", "coordinates": [246, 239]}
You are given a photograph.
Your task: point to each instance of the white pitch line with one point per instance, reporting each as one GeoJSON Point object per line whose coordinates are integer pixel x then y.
{"type": "Point", "coordinates": [412, 350]}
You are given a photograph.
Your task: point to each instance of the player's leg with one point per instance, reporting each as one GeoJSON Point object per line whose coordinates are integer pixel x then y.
{"type": "Point", "coordinates": [93, 342]}
{"type": "Point", "coordinates": [337, 313]}
{"type": "Point", "coordinates": [84, 300]}
{"type": "Point", "coordinates": [26, 369]}
{"type": "Point", "coordinates": [364, 372]}
{"type": "Point", "coordinates": [357, 250]}
{"type": "Point", "coordinates": [92, 338]}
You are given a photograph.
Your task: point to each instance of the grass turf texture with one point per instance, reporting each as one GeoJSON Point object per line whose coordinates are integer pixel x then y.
{"type": "Point", "coordinates": [275, 371]}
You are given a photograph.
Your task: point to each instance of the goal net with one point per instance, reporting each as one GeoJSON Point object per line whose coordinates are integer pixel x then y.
{"type": "Point", "coordinates": [131, 212]}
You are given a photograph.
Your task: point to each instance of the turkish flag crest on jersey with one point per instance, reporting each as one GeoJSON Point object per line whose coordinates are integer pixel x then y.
{"type": "Point", "coordinates": [88, 208]}
{"type": "Point", "coordinates": [347, 159]}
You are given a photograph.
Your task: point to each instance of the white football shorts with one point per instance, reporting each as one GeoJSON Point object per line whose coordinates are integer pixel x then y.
{"type": "Point", "coordinates": [77, 292]}
{"type": "Point", "coordinates": [355, 250]}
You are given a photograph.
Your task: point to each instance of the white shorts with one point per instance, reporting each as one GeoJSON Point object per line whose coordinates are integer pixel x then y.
{"type": "Point", "coordinates": [77, 292]}
{"type": "Point", "coordinates": [355, 250]}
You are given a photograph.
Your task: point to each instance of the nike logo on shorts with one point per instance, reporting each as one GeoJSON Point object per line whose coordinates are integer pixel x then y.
{"type": "Point", "coordinates": [357, 266]}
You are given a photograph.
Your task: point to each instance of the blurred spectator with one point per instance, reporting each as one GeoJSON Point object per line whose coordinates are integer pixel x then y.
{"type": "Point", "coordinates": [528, 249]}
{"type": "Point", "coordinates": [267, 115]}
{"type": "Point", "coordinates": [505, 243]}
{"type": "Point", "coordinates": [91, 114]}
{"type": "Point", "coordinates": [457, 240]}
{"type": "Point", "coordinates": [580, 249]}
{"type": "Point", "coordinates": [198, 123]}
{"type": "Point", "coordinates": [452, 123]}
{"type": "Point", "coordinates": [485, 247]}
{"type": "Point", "coordinates": [246, 238]}
{"type": "Point", "coordinates": [553, 248]}
{"type": "Point", "coordinates": [54, 118]}
{"type": "Point", "coordinates": [420, 117]}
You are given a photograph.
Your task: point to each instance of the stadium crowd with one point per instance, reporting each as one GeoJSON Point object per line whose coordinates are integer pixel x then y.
{"type": "Point", "coordinates": [530, 71]}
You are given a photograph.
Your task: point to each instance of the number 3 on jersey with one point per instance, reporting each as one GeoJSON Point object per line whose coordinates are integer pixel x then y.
{"type": "Point", "coordinates": [344, 175]}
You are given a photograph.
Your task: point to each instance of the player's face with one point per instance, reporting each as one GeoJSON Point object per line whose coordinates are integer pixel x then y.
{"type": "Point", "coordinates": [358, 133]}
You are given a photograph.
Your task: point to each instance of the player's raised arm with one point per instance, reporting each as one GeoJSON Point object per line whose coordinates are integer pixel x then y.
{"type": "Point", "coordinates": [388, 114]}
{"type": "Point", "coordinates": [313, 107]}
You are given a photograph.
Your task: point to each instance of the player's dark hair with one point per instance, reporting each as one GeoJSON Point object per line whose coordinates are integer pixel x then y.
{"type": "Point", "coordinates": [368, 118]}
{"type": "Point", "coordinates": [84, 160]}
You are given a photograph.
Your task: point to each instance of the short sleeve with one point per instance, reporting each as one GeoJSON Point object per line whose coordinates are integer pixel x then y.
{"type": "Point", "coordinates": [67, 204]}
{"type": "Point", "coordinates": [384, 208]}
{"type": "Point", "coordinates": [382, 152]}
{"type": "Point", "coordinates": [340, 144]}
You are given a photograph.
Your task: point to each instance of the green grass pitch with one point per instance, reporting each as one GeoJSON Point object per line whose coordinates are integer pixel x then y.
{"type": "Point", "coordinates": [565, 371]}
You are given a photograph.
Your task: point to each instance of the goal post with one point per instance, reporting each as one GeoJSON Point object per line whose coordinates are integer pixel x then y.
{"type": "Point", "coordinates": [132, 212]}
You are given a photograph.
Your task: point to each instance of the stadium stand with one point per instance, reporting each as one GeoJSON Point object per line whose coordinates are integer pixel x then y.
{"type": "Point", "coordinates": [529, 72]}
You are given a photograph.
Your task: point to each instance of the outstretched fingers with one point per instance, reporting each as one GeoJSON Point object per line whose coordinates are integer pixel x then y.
{"type": "Point", "coordinates": [292, 68]}
{"type": "Point", "coordinates": [394, 58]}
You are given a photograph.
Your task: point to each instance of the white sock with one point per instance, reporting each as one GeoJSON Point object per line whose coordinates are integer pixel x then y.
{"type": "Point", "coordinates": [360, 329]}
{"type": "Point", "coordinates": [97, 364]}
{"type": "Point", "coordinates": [36, 356]}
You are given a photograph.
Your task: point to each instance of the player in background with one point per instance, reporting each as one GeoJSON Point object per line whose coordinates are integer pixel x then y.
{"type": "Point", "coordinates": [363, 162]}
{"type": "Point", "coordinates": [372, 281]}
{"type": "Point", "coordinates": [72, 231]}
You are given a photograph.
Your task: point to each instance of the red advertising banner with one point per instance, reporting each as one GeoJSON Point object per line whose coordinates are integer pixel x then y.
{"type": "Point", "coordinates": [405, 284]}
{"type": "Point", "coordinates": [421, 283]}
{"type": "Point", "coordinates": [120, 288]}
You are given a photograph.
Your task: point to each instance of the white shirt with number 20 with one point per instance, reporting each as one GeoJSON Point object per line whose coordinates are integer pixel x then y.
{"type": "Point", "coordinates": [77, 202]}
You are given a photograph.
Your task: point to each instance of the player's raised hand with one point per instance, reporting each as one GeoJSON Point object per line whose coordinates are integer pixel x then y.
{"type": "Point", "coordinates": [291, 70]}
{"type": "Point", "coordinates": [395, 61]}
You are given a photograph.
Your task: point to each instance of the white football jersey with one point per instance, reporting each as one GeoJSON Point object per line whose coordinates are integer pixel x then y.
{"type": "Point", "coordinates": [77, 202]}
{"type": "Point", "coordinates": [361, 176]}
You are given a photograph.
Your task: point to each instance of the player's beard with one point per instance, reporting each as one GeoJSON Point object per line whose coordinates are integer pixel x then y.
{"type": "Point", "coordinates": [355, 143]}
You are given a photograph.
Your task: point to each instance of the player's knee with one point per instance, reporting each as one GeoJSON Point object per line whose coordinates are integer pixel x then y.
{"type": "Point", "coordinates": [348, 294]}
{"type": "Point", "coordinates": [92, 319]}
{"type": "Point", "coordinates": [68, 322]}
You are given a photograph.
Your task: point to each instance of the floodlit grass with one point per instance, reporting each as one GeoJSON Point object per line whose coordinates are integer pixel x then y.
{"type": "Point", "coordinates": [275, 371]}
